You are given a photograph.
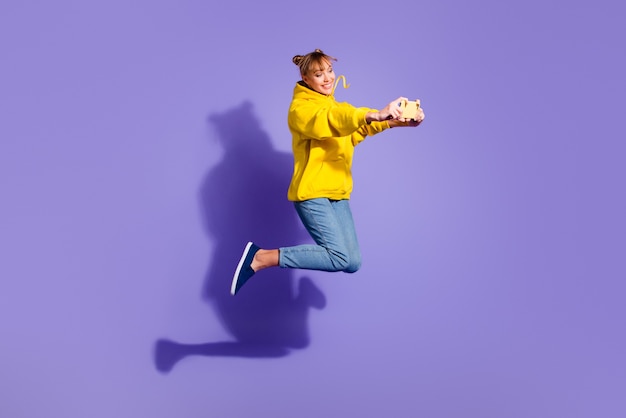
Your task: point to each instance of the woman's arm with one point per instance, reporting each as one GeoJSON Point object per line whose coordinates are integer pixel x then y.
{"type": "Point", "coordinates": [374, 128]}
{"type": "Point", "coordinates": [326, 120]}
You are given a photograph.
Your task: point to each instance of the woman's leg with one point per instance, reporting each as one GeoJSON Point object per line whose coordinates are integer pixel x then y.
{"type": "Point", "coordinates": [330, 224]}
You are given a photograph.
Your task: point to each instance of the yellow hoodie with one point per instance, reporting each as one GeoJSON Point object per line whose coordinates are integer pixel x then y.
{"type": "Point", "coordinates": [324, 134]}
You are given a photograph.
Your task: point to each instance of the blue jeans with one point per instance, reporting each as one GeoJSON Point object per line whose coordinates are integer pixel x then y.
{"type": "Point", "coordinates": [330, 224]}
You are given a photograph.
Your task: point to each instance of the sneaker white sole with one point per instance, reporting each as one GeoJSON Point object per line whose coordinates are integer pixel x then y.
{"type": "Point", "coordinates": [233, 285]}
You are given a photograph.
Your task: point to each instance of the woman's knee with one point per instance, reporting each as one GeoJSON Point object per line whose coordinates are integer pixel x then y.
{"type": "Point", "coordinates": [346, 262]}
{"type": "Point", "coordinates": [354, 265]}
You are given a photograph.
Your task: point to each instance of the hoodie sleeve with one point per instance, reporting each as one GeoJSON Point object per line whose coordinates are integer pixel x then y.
{"type": "Point", "coordinates": [317, 120]}
{"type": "Point", "coordinates": [368, 130]}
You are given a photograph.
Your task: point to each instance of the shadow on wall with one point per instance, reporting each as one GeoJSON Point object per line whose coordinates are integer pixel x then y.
{"type": "Point", "coordinates": [244, 199]}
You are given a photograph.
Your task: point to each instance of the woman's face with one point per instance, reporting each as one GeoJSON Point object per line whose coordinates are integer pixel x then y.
{"type": "Point", "coordinates": [321, 78]}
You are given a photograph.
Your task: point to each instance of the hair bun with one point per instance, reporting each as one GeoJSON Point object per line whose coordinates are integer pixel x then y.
{"type": "Point", "coordinates": [319, 51]}
{"type": "Point", "coordinates": [297, 59]}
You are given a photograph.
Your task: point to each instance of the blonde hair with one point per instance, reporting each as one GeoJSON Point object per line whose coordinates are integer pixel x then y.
{"type": "Point", "coordinates": [307, 62]}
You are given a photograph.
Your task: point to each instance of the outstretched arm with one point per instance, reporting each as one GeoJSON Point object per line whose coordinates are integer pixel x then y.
{"type": "Point", "coordinates": [391, 116]}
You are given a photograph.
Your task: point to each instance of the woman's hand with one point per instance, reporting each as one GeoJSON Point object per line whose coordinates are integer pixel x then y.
{"type": "Point", "coordinates": [391, 112]}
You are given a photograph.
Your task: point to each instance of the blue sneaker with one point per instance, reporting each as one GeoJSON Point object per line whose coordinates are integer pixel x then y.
{"type": "Point", "coordinates": [244, 271]}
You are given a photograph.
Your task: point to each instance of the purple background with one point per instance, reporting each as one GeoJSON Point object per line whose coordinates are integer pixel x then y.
{"type": "Point", "coordinates": [143, 142]}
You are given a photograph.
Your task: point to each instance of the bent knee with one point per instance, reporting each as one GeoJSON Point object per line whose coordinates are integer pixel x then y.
{"type": "Point", "coordinates": [353, 266]}
{"type": "Point", "coordinates": [350, 264]}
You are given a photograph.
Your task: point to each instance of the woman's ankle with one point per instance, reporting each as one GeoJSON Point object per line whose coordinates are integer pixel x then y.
{"type": "Point", "coordinates": [264, 259]}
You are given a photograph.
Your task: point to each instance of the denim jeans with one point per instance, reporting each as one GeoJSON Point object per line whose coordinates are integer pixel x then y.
{"type": "Point", "coordinates": [330, 224]}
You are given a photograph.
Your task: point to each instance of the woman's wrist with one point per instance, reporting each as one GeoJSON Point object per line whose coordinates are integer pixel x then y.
{"type": "Point", "coordinates": [373, 117]}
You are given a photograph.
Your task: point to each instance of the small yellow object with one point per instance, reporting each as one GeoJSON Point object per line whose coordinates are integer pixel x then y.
{"type": "Point", "coordinates": [409, 109]}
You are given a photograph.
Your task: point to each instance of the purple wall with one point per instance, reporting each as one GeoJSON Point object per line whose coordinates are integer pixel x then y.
{"type": "Point", "coordinates": [142, 143]}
